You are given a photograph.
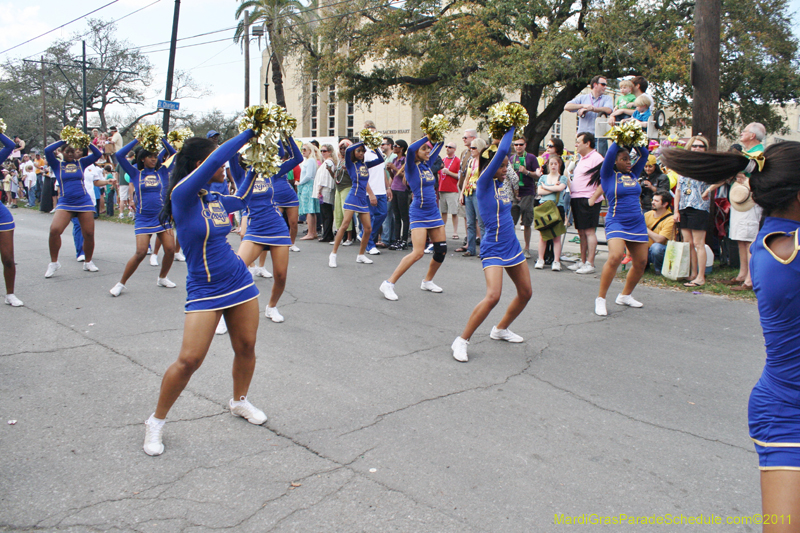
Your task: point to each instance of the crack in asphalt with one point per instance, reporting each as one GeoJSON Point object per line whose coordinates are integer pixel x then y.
{"type": "Point", "coordinates": [54, 350]}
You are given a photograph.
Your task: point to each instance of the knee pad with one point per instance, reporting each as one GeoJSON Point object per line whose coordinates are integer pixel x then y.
{"type": "Point", "coordinates": [439, 251]}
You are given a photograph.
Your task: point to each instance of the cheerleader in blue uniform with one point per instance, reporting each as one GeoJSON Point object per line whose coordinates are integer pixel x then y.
{"type": "Point", "coordinates": [426, 219]}
{"type": "Point", "coordinates": [625, 225]}
{"type": "Point", "coordinates": [774, 408]}
{"type": "Point", "coordinates": [500, 250]}
{"type": "Point", "coordinates": [285, 197]}
{"type": "Point", "coordinates": [358, 200]}
{"type": "Point", "coordinates": [7, 234]}
{"type": "Point", "coordinates": [149, 179]}
{"type": "Point", "coordinates": [218, 282]}
{"type": "Point", "coordinates": [266, 229]}
{"type": "Point", "coordinates": [73, 201]}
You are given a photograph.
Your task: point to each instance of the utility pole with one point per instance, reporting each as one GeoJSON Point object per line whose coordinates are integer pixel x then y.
{"type": "Point", "coordinates": [171, 68]}
{"type": "Point", "coordinates": [705, 70]}
{"type": "Point", "coordinates": [246, 59]}
{"type": "Point", "coordinates": [44, 110]}
{"type": "Point", "coordinates": [83, 67]}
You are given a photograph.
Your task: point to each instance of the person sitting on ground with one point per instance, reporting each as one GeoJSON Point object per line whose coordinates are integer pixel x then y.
{"type": "Point", "coordinates": [660, 228]}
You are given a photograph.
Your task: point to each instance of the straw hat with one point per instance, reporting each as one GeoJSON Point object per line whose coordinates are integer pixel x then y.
{"type": "Point", "coordinates": [741, 198]}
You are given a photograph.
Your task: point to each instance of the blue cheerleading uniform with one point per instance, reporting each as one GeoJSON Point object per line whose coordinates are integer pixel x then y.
{"type": "Point", "coordinates": [499, 244]}
{"type": "Point", "coordinates": [265, 223]}
{"type": "Point", "coordinates": [424, 210]}
{"type": "Point", "coordinates": [359, 172]}
{"type": "Point", "coordinates": [217, 278]}
{"type": "Point", "coordinates": [284, 194]}
{"type": "Point", "coordinates": [6, 219]}
{"type": "Point", "coordinates": [149, 190]}
{"type": "Point", "coordinates": [624, 219]}
{"type": "Point", "coordinates": [774, 407]}
{"type": "Point", "coordinates": [72, 193]}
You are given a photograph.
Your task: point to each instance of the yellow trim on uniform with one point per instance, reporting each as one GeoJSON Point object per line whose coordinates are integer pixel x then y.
{"type": "Point", "coordinates": [796, 246]}
{"type": "Point", "coordinates": [789, 468]}
{"type": "Point", "coordinates": [220, 308]}
{"type": "Point", "coordinates": [205, 243]}
{"type": "Point", "coordinates": [776, 444]}
{"type": "Point", "coordinates": [4, 230]}
{"type": "Point", "coordinates": [506, 266]}
{"type": "Point", "coordinates": [220, 295]}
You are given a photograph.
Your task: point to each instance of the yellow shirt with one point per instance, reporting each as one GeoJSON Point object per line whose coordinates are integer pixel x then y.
{"type": "Point", "coordinates": [472, 177]}
{"type": "Point", "coordinates": [666, 227]}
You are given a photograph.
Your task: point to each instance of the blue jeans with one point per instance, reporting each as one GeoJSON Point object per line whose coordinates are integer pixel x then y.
{"type": "Point", "coordinates": [655, 256]}
{"type": "Point", "coordinates": [32, 196]}
{"type": "Point", "coordinates": [77, 236]}
{"type": "Point", "coordinates": [377, 214]}
{"type": "Point", "coordinates": [473, 219]}
{"type": "Point", "coordinates": [602, 146]}
{"type": "Point", "coordinates": [388, 227]}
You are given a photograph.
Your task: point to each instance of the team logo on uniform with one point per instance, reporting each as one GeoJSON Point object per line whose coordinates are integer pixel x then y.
{"type": "Point", "coordinates": [151, 180]}
{"type": "Point", "coordinates": [626, 181]}
{"type": "Point", "coordinates": [502, 195]}
{"type": "Point", "coordinates": [70, 168]}
{"type": "Point", "coordinates": [216, 214]}
{"type": "Point", "coordinates": [363, 172]}
{"type": "Point", "coordinates": [261, 186]}
{"type": "Point", "coordinates": [427, 176]}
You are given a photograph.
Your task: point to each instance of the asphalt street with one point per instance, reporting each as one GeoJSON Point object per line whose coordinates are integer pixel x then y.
{"type": "Point", "coordinates": [372, 425]}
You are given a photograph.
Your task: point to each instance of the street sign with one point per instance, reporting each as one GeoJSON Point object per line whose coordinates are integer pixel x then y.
{"type": "Point", "coordinates": [166, 104]}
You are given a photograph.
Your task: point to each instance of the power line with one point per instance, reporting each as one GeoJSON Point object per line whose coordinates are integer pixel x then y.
{"type": "Point", "coordinates": [65, 24]}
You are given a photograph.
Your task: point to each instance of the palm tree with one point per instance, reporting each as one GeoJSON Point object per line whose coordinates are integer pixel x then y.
{"type": "Point", "coordinates": [277, 17]}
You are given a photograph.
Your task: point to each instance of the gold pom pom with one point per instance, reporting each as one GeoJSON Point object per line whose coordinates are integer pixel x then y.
{"type": "Point", "coordinates": [435, 127]}
{"type": "Point", "coordinates": [628, 134]}
{"type": "Point", "coordinates": [177, 137]}
{"type": "Point", "coordinates": [149, 136]}
{"type": "Point", "coordinates": [75, 137]}
{"type": "Point", "coordinates": [371, 139]}
{"type": "Point", "coordinates": [271, 123]}
{"type": "Point", "coordinates": [505, 115]}
{"type": "Point", "coordinates": [2, 126]}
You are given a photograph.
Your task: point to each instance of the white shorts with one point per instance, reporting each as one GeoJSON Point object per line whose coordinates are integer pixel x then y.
{"type": "Point", "coordinates": [123, 193]}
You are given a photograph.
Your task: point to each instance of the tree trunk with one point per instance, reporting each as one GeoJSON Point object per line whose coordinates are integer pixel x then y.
{"type": "Point", "coordinates": [540, 124]}
{"type": "Point", "coordinates": [277, 75]}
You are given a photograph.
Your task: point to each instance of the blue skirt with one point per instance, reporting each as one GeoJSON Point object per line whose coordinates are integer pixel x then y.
{"type": "Point", "coordinates": [425, 218]}
{"type": "Point", "coordinates": [308, 204]}
{"type": "Point", "coordinates": [238, 287]}
{"type": "Point", "coordinates": [270, 230]}
{"type": "Point", "coordinates": [78, 203]}
{"type": "Point", "coordinates": [630, 228]}
{"type": "Point", "coordinates": [774, 418]}
{"type": "Point", "coordinates": [359, 204]}
{"type": "Point", "coordinates": [505, 253]}
{"type": "Point", "coordinates": [6, 219]}
{"type": "Point", "coordinates": [149, 224]}
{"type": "Point", "coordinates": [285, 197]}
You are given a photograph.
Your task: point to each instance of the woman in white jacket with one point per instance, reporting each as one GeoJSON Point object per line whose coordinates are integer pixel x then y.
{"type": "Point", "coordinates": [325, 191]}
{"type": "Point", "coordinates": [309, 204]}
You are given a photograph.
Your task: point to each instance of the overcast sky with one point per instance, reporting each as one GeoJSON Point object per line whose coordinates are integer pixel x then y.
{"type": "Point", "coordinates": [218, 66]}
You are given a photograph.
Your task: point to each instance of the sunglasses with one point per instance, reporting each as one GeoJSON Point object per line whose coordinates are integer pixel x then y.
{"type": "Point", "coordinates": [453, 147]}
{"type": "Point", "coordinates": [324, 150]}
{"type": "Point", "coordinates": [473, 147]}
{"type": "Point", "coordinates": [551, 146]}
{"type": "Point", "coordinates": [519, 144]}
{"type": "Point", "coordinates": [698, 146]}
{"type": "Point", "coordinates": [601, 83]}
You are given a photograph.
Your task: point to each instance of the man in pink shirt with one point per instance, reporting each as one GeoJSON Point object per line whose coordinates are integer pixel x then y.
{"type": "Point", "coordinates": [586, 217]}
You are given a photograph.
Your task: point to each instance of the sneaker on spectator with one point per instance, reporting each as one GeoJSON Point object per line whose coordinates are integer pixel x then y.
{"type": "Point", "coordinates": [117, 290]}
{"type": "Point", "coordinates": [154, 260]}
{"type": "Point", "coordinates": [153, 436]}
{"type": "Point", "coordinates": [430, 286]}
{"type": "Point", "coordinates": [273, 314]}
{"type": "Point", "coordinates": [81, 258]}
{"type": "Point", "coordinates": [90, 266]}
{"type": "Point", "coordinates": [576, 266]}
{"type": "Point", "coordinates": [526, 253]}
{"type": "Point", "coordinates": [374, 251]}
{"type": "Point", "coordinates": [587, 268]}
{"type": "Point", "coordinates": [51, 269]}
{"type": "Point", "coordinates": [165, 282]}
{"type": "Point", "coordinates": [556, 266]}
{"type": "Point", "coordinates": [13, 301]}
{"type": "Point", "coordinates": [180, 257]}
{"type": "Point", "coordinates": [121, 215]}
{"type": "Point", "coordinates": [263, 272]}
{"type": "Point", "coordinates": [539, 264]}
{"type": "Point", "coordinates": [459, 348]}
{"type": "Point", "coordinates": [504, 335]}
{"type": "Point", "coordinates": [348, 242]}
{"type": "Point", "coordinates": [247, 410]}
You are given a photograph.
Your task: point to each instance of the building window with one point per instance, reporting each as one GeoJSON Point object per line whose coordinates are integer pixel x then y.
{"type": "Point", "coordinates": [331, 111]}
{"type": "Point", "coordinates": [556, 129]}
{"type": "Point", "coordinates": [350, 120]}
{"type": "Point", "coordinates": [314, 108]}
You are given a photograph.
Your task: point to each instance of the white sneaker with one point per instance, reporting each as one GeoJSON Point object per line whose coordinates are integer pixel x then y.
{"type": "Point", "coordinates": [154, 260]}
{"type": "Point", "coordinates": [600, 307]}
{"type": "Point", "coordinates": [51, 269]}
{"type": "Point", "coordinates": [348, 242]}
{"type": "Point", "coordinates": [363, 259]}
{"type": "Point", "coordinates": [90, 266]}
{"type": "Point", "coordinates": [628, 300]}
{"type": "Point", "coordinates": [247, 410]}
{"type": "Point", "coordinates": [152, 437]}
{"type": "Point", "coordinates": [165, 282]}
{"type": "Point", "coordinates": [504, 335]}
{"type": "Point", "coordinates": [556, 266]}
{"type": "Point", "coordinates": [252, 271]}
{"type": "Point", "coordinates": [332, 260]}
{"type": "Point", "coordinates": [294, 248]}
{"type": "Point", "coordinates": [273, 314]}
{"type": "Point", "coordinates": [222, 328]}
{"type": "Point", "coordinates": [587, 268]}
{"type": "Point", "coordinates": [430, 286]}
{"type": "Point", "coordinates": [180, 257]}
{"type": "Point", "coordinates": [576, 266]}
{"type": "Point", "coordinates": [459, 348]}
{"type": "Point", "coordinates": [539, 264]}
{"type": "Point", "coordinates": [388, 291]}
{"type": "Point", "coordinates": [429, 249]}
{"type": "Point", "coordinates": [122, 215]}
{"type": "Point", "coordinates": [149, 249]}
{"type": "Point", "coordinates": [13, 301]}
{"type": "Point", "coordinates": [81, 258]}
{"type": "Point", "coordinates": [117, 290]}
{"type": "Point", "coordinates": [263, 272]}
{"type": "Point", "coordinates": [332, 243]}
{"type": "Point", "coordinates": [374, 251]}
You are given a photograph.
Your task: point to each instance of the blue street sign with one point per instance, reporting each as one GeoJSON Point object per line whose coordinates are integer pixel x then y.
{"type": "Point", "coordinates": [166, 104]}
